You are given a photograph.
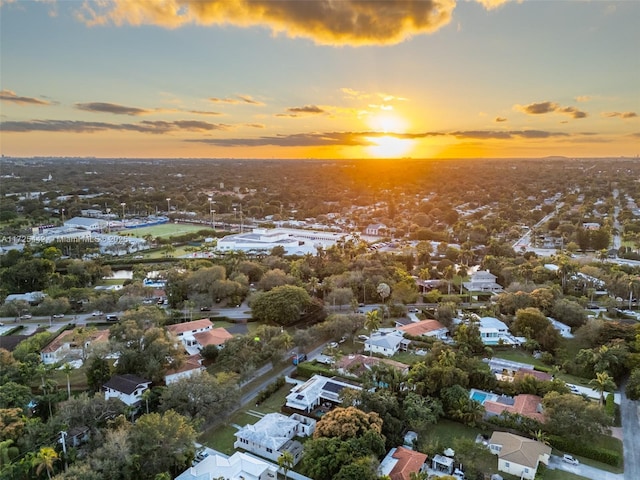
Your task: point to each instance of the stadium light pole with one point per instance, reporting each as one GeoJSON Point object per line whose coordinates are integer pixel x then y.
{"type": "Point", "coordinates": [168, 206]}
{"type": "Point", "coordinates": [213, 225]}
{"type": "Point", "coordinates": [123, 204]}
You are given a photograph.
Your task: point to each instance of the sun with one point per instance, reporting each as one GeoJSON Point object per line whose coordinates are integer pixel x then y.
{"type": "Point", "coordinates": [389, 146]}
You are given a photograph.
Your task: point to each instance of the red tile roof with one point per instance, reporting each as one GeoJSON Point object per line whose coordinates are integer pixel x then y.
{"type": "Point", "coordinates": [525, 404]}
{"type": "Point", "coordinates": [189, 326]}
{"type": "Point", "coordinates": [409, 461]}
{"type": "Point", "coordinates": [422, 328]}
{"type": "Point", "coordinates": [216, 336]}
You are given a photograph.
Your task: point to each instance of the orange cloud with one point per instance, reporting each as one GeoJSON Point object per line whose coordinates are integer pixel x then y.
{"type": "Point", "coordinates": [326, 22]}
{"type": "Point", "coordinates": [10, 96]}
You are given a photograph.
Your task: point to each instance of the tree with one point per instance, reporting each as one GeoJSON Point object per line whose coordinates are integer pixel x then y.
{"type": "Point", "coordinates": [346, 423]}
{"type": "Point", "coordinates": [384, 291]}
{"type": "Point", "coordinates": [281, 306]}
{"type": "Point", "coordinates": [423, 411]}
{"type": "Point", "coordinates": [530, 322]}
{"type": "Point", "coordinates": [44, 460]}
{"type": "Point", "coordinates": [98, 372]}
{"type": "Point", "coordinates": [633, 385]}
{"type": "Point", "coordinates": [202, 397]}
{"type": "Point", "coordinates": [372, 321]}
{"type": "Point", "coordinates": [162, 442]}
{"type": "Point", "coordinates": [285, 462]}
{"type": "Point", "coordinates": [602, 383]}
{"type": "Point", "coordinates": [14, 395]}
{"type": "Point", "coordinates": [574, 416]}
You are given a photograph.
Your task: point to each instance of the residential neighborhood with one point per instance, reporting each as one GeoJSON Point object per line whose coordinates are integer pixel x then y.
{"type": "Point", "coordinates": [353, 343]}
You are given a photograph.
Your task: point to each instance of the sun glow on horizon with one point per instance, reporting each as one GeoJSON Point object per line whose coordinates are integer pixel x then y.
{"type": "Point", "coordinates": [389, 146]}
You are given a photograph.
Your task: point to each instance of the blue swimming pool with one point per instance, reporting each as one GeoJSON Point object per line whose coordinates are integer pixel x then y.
{"type": "Point", "coordinates": [479, 397]}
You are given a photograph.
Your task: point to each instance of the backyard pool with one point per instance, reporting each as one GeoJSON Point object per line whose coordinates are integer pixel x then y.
{"type": "Point", "coordinates": [481, 397]}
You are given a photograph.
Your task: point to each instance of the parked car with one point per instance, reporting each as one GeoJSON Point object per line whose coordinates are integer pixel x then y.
{"type": "Point", "coordinates": [97, 313]}
{"type": "Point", "coordinates": [59, 315]}
{"type": "Point", "coordinates": [26, 316]}
{"type": "Point", "coordinates": [570, 459]}
{"type": "Point", "coordinates": [363, 337]}
{"type": "Point", "coordinates": [333, 345]}
{"type": "Point", "coordinates": [112, 318]}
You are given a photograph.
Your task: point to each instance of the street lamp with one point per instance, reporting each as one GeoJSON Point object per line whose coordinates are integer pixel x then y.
{"type": "Point", "coordinates": [168, 206]}
{"type": "Point", "coordinates": [211, 212]}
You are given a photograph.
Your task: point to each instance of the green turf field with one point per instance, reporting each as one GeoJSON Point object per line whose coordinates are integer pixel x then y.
{"type": "Point", "coordinates": [164, 230]}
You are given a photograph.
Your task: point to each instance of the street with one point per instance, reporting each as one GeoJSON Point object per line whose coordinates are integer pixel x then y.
{"type": "Point", "coordinates": [630, 413]}
{"type": "Point", "coordinates": [556, 463]}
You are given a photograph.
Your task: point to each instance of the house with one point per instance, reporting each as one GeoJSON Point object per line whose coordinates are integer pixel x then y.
{"type": "Point", "coordinates": [508, 371]}
{"type": "Point", "coordinates": [387, 343]}
{"type": "Point", "coordinates": [426, 328]}
{"type": "Point", "coordinates": [76, 436]}
{"type": "Point", "coordinates": [517, 455]}
{"type": "Point", "coordinates": [496, 332]}
{"type": "Point", "coordinates": [191, 366]}
{"type": "Point", "coordinates": [526, 405]}
{"type": "Point", "coordinates": [128, 388]}
{"type": "Point", "coordinates": [239, 466]}
{"type": "Point", "coordinates": [357, 365]}
{"type": "Point", "coordinates": [65, 346]}
{"type": "Point", "coordinates": [274, 434]}
{"type": "Point", "coordinates": [375, 229]}
{"type": "Point", "coordinates": [401, 462]}
{"type": "Point", "coordinates": [32, 298]}
{"type": "Point", "coordinates": [564, 330]}
{"type": "Point", "coordinates": [316, 391]}
{"type": "Point", "coordinates": [482, 281]}
{"type": "Point", "coordinates": [197, 334]}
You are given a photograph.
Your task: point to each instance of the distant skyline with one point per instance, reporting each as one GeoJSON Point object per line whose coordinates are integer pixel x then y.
{"type": "Point", "coordinates": [320, 79]}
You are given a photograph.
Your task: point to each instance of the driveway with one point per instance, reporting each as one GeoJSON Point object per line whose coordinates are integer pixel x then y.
{"type": "Point", "coordinates": [556, 463]}
{"type": "Point", "coordinates": [630, 413]}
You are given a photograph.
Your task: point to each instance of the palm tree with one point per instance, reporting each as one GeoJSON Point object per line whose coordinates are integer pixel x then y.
{"type": "Point", "coordinates": [285, 462]}
{"type": "Point", "coordinates": [372, 322]}
{"type": "Point", "coordinates": [603, 382]}
{"type": "Point", "coordinates": [146, 395]}
{"type": "Point", "coordinates": [44, 460]}
{"type": "Point", "coordinates": [67, 369]}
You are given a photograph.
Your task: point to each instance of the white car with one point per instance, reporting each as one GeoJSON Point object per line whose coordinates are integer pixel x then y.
{"type": "Point", "coordinates": [570, 459]}
{"type": "Point", "coordinates": [333, 345]}
{"type": "Point", "coordinates": [59, 315]}
{"type": "Point", "coordinates": [97, 313]}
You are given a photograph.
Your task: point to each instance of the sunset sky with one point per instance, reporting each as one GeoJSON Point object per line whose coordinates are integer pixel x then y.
{"type": "Point", "coordinates": [325, 79]}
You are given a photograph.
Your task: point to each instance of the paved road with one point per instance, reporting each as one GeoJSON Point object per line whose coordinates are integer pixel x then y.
{"type": "Point", "coordinates": [556, 463]}
{"type": "Point", "coordinates": [630, 415]}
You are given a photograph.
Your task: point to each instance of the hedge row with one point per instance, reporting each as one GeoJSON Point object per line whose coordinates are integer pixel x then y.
{"type": "Point", "coordinates": [584, 449]}
{"type": "Point", "coordinates": [270, 390]}
{"type": "Point", "coordinates": [308, 369]}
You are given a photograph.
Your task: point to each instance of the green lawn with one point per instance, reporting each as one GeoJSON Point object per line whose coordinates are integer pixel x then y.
{"type": "Point", "coordinates": [164, 230]}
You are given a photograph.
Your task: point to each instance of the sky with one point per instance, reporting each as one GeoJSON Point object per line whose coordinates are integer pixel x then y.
{"type": "Point", "coordinates": [320, 79]}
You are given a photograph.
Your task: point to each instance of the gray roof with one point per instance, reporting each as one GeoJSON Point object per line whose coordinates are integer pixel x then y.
{"type": "Point", "coordinates": [126, 383]}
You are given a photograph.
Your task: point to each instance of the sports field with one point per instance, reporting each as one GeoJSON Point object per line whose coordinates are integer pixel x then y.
{"type": "Point", "coordinates": [164, 230]}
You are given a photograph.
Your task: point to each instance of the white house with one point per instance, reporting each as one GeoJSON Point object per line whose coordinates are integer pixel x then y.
{"type": "Point", "coordinates": [128, 388]}
{"type": "Point", "coordinates": [238, 466]}
{"type": "Point", "coordinates": [198, 334]}
{"type": "Point", "coordinates": [386, 343]}
{"type": "Point", "coordinates": [316, 391]}
{"type": "Point", "coordinates": [375, 229]}
{"type": "Point", "coordinates": [565, 330]}
{"type": "Point", "coordinates": [517, 455]}
{"type": "Point", "coordinates": [274, 434]}
{"type": "Point", "coordinates": [494, 332]}
{"type": "Point", "coordinates": [482, 281]}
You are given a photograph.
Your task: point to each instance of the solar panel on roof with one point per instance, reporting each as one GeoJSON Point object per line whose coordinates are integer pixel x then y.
{"type": "Point", "coordinates": [299, 397]}
{"type": "Point", "coordinates": [332, 387]}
